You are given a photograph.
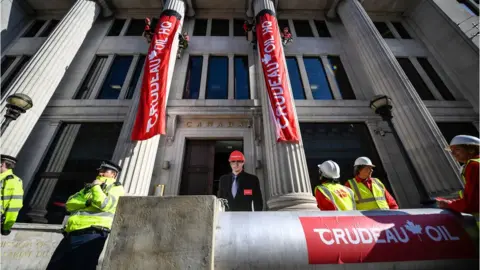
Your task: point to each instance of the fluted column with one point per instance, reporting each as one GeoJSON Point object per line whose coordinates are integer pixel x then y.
{"type": "Point", "coordinates": [138, 158]}
{"type": "Point", "coordinates": [413, 122]}
{"type": "Point", "coordinates": [43, 193]}
{"type": "Point", "coordinates": [45, 70]}
{"type": "Point", "coordinates": [287, 172]}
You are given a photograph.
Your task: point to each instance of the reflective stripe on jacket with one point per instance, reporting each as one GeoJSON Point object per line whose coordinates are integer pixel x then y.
{"type": "Point", "coordinates": [93, 207]}
{"type": "Point", "coordinates": [342, 197]}
{"type": "Point", "coordinates": [460, 193]}
{"type": "Point", "coordinates": [11, 198]}
{"type": "Point", "coordinates": [369, 200]}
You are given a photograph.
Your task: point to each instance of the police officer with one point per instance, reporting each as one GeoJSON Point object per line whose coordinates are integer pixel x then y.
{"type": "Point", "coordinates": [12, 193]}
{"type": "Point", "coordinates": [91, 215]}
{"type": "Point", "coordinates": [330, 194]}
{"type": "Point", "coordinates": [370, 193]}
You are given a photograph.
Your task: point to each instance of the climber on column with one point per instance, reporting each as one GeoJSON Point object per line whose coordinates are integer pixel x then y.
{"type": "Point", "coordinates": [147, 32]}
{"type": "Point", "coordinates": [183, 40]}
{"type": "Point", "coordinates": [286, 36]}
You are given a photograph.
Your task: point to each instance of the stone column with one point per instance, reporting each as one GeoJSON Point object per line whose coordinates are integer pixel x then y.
{"type": "Point", "coordinates": [413, 122]}
{"type": "Point", "coordinates": [45, 70]}
{"type": "Point", "coordinates": [43, 193]}
{"type": "Point", "coordinates": [138, 158]}
{"type": "Point", "coordinates": [287, 173]}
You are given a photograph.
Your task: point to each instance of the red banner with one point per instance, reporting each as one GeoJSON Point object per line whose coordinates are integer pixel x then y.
{"type": "Point", "coordinates": [275, 74]}
{"type": "Point", "coordinates": [355, 239]}
{"type": "Point", "coordinates": [151, 114]}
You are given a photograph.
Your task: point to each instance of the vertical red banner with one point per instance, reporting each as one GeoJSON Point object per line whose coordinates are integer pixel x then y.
{"type": "Point", "coordinates": [274, 71]}
{"type": "Point", "coordinates": [151, 113]}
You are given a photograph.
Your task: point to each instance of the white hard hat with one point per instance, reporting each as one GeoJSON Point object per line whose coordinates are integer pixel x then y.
{"type": "Point", "coordinates": [363, 161]}
{"type": "Point", "coordinates": [464, 139]}
{"type": "Point", "coordinates": [330, 169]}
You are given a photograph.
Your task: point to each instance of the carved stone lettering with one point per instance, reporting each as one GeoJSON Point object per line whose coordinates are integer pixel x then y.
{"type": "Point", "coordinates": [209, 123]}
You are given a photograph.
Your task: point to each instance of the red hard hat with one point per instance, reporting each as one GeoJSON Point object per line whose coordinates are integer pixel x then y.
{"type": "Point", "coordinates": [236, 156]}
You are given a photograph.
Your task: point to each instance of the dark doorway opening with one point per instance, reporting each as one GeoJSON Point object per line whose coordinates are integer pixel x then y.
{"type": "Point", "coordinates": [204, 163]}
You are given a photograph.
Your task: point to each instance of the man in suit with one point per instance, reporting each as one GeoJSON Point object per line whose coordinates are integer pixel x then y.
{"type": "Point", "coordinates": [239, 188]}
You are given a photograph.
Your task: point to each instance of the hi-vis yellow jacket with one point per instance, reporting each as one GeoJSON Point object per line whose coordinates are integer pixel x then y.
{"type": "Point", "coordinates": [94, 206]}
{"type": "Point", "coordinates": [369, 200]}
{"type": "Point", "coordinates": [11, 198]}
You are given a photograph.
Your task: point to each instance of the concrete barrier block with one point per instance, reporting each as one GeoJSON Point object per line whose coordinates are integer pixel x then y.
{"type": "Point", "coordinates": [162, 233]}
{"type": "Point", "coordinates": [29, 246]}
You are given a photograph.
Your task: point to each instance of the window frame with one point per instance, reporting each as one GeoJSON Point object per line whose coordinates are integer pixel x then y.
{"type": "Point", "coordinates": [208, 76]}
{"type": "Point", "coordinates": [100, 80]}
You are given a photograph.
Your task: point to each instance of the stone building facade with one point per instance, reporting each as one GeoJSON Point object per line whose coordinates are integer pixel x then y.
{"type": "Point", "coordinates": [81, 63]}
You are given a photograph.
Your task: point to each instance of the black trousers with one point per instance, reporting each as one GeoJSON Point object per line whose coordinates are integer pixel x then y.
{"type": "Point", "coordinates": [78, 251]}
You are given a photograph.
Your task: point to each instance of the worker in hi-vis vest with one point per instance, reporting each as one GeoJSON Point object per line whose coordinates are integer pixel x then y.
{"type": "Point", "coordinates": [465, 149]}
{"type": "Point", "coordinates": [91, 215]}
{"type": "Point", "coordinates": [330, 194]}
{"type": "Point", "coordinates": [12, 193]}
{"type": "Point", "coordinates": [370, 193]}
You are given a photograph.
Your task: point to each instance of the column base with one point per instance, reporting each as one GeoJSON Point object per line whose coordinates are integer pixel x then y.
{"type": "Point", "coordinates": [37, 215]}
{"type": "Point", "coordinates": [293, 202]}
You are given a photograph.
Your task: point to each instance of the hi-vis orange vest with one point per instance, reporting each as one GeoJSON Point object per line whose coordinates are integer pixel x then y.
{"type": "Point", "coordinates": [369, 200]}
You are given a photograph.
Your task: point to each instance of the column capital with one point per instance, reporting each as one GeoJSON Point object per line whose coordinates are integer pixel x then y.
{"type": "Point", "coordinates": [190, 11]}
{"type": "Point", "coordinates": [106, 10]}
{"type": "Point", "coordinates": [332, 13]}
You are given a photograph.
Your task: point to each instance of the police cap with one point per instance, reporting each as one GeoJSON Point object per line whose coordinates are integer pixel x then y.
{"type": "Point", "coordinates": [8, 159]}
{"type": "Point", "coordinates": [109, 165]}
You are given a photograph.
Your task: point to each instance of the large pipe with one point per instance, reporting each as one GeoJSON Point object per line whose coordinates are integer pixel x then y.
{"type": "Point", "coordinates": [318, 240]}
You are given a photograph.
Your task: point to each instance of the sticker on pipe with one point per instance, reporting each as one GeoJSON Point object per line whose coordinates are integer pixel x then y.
{"type": "Point", "coordinates": [355, 239]}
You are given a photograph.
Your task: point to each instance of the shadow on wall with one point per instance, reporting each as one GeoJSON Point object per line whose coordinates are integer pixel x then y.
{"type": "Point", "coordinates": [14, 17]}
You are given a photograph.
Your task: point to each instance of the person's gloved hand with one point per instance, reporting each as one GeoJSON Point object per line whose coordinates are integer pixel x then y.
{"type": "Point", "coordinates": [6, 232]}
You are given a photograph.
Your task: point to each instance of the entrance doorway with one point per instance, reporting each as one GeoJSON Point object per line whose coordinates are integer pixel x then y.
{"type": "Point", "coordinates": [204, 163]}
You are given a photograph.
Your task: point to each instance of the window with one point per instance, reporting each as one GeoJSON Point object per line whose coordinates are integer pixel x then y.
{"type": "Point", "coordinates": [322, 28]}
{"type": "Point", "coordinates": [116, 28]}
{"type": "Point", "coordinates": [49, 29]}
{"type": "Point", "coordinates": [5, 85]}
{"type": "Point", "coordinates": [238, 28]}
{"type": "Point", "coordinates": [242, 82]}
{"type": "Point", "coordinates": [136, 75]}
{"type": "Point", "coordinates": [382, 27]}
{"type": "Point", "coordinates": [282, 24]}
{"type": "Point", "coordinates": [401, 30]}
{"type": "Point", "coordinates": [450, 130]}
{"type": "Point", "coordinates": [295, 79]}
{"type": "Point", "coordinates": [7, 61]}
{"type": "Point", "coordinates": [93, 143]}
{"type": "Point", "coordinates": [416, 79]}
{"type": "Point", "coordinates": [33, 30]}
{"type": "Point", "coordinates": [116, 77]}
{"type": "Point", "coordinates": [342, 143]}
{"type": "Point", "coordinates": [341, 77]}
{"type": "Point", "coordinates": [193, 78]}
{"type": "Point", "coordinates": [92, 77]}
{"type": "Point", "coordinates": [317, 78]}
{"type": "Point", "coordinates": [436, 80]}
{"type": "Point", "coordinates": [220, 27]}
{"type": "Point", "coordinates": [217, 81]}
{"type": "Point", "coordinates": [471, 8]}
{"type": "Point", "coordinates": [200, 28]}
{"type": "Point", "coordinates": [135, 28]}
{"type": "Point", "coordinates": [302, 28]}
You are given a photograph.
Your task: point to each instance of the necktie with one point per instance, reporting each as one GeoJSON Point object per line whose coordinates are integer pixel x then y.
{"type": "Point", "coordinates": [234, 186]}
